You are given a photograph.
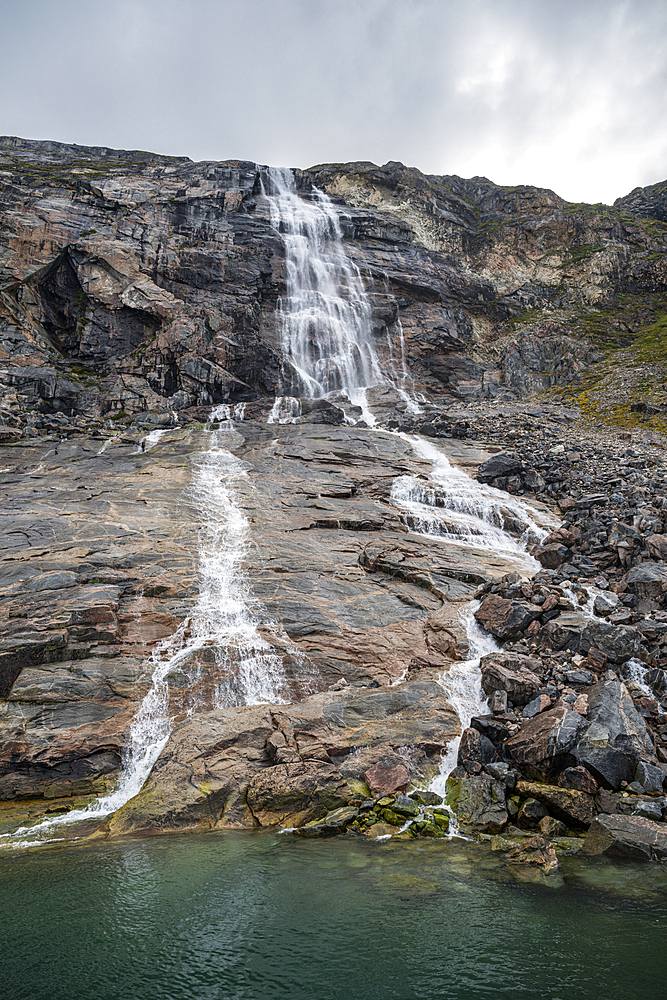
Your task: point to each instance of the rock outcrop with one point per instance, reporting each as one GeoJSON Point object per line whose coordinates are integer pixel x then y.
{"type": "Point", "coordinates": [137, 292]}
{"type": "Point", "coordinates": [133, 282]}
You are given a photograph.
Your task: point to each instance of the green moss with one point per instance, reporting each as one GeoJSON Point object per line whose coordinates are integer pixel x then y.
{"type": "Point", "coordinates": [651, 343]}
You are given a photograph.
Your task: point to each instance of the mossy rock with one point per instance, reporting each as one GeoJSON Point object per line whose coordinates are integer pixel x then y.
{"type": "Point", "coordinates": [453, 792]}
{"type": "Point", "coordinates": [441, 819]}
{"type": "Point", "coordinates": [392, 817]}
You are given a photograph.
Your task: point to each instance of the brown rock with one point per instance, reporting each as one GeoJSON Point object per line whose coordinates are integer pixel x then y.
{"type": "Point", "coordinates": [597, 660]}
{"type": "Point", "coordinates": [579, 779]}
{"type": "Point", "coordinates": [535, 851]}
{"type": "Point", "coordinates": [551, 556]}
{"type": "Point", "coordinates": [506, 619]}
{"type": "Point", "coordinates": [657, 547]}
{"type": "Point", "coordinates": [387, 778]}
{"type": "Point", "coordinates": [544, 742]}
{"type": "Point", "coordinates": [568, 804]}
{"type": "Point", "coordinates": [550, 827]}
{"type": "Point", "coordinates": [512, 673]}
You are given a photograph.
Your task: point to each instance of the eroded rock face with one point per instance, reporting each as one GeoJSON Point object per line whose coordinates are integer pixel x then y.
{"type": "Point", "coordinates": [287, 765]}
{"type": "Point", "coordinates": [151, 282]}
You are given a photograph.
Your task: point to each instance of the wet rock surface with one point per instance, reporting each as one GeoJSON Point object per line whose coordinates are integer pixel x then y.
{"type": "Point", "coordinates": [148, 295]}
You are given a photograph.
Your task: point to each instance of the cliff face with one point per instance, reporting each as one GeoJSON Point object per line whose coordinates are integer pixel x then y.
{"type": "Point", "coordinates": [133, 282]}
{"type": "Point", "coordinates": [137, 291]}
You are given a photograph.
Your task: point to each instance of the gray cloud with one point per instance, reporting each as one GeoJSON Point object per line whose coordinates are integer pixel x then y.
{"type": "Point", "coordinates": [556, 93]}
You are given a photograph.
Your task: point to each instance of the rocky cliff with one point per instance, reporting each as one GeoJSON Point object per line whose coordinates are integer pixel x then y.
{"type": "Point", "coordinates": [136, 293]}
{"type": "Point", "coordinates": [134, 283]}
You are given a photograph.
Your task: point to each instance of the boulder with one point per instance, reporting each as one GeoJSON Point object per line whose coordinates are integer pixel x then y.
{"type": "Point", "coordinates": [647, 580]}
{"type": "Point", "coordinates": [387, 777]}
{"type": "Point", "coordinates": [512, 673]}
{"type": "Point", "coordinates": [478, 802]}
{"type": "Point", "coordinates": [616, 739]}
{"type": "Point", "coordinates": [334, 822]}
{"type": "Point", "coordinates": [498, 702]}
{"type": "Point", "coordinates": [657, 547]}
{"type": "Point", "coordinates": [579, 779]}
{"type": "Point", "coordinates": [551, 556]}
{"type": "Point", "coordinates": [503, 464]}
{"type": "Point", "coordinates": [539, 704]}
{"type": "Point", "coordinates": [619, 643]}
{"type": "Point", "coordinates": [650, 777]}
{"type": "Point", "coordinates": [533, 481]}
{"type": "Point", "coordinates": [475, 747]}
{"type": "Point", "coordinates": [543, 745]}
{"type": "Point", "coordinates": [535, 851]}
{"type": "Point", "coordinates": [572, 806]}
{"type": "Point", "coordinates": [506, 619]}
{"type": "Point", "coordinates": [631, 837]}
{"type": "Point", "coordinates": [565, 631]}
{"type": "Point", "coordinates": [550, 827]}
{"type": "Point", "coordinates": [494, 728]}
{"type": "Point", "coordinates": [531, 813]}
{"type": "Point", "coordinates": [289, 794]}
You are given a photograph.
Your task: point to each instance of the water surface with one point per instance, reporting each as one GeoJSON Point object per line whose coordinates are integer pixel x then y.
{"type": "Point", "coordinates": [248, 916]}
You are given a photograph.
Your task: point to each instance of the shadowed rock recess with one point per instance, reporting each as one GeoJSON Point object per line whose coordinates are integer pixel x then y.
{"type": "Point", "coordinates": [227, 601]}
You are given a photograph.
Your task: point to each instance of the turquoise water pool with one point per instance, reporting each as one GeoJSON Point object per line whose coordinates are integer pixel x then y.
{"type": "Point", "coordinates": [248, 916]}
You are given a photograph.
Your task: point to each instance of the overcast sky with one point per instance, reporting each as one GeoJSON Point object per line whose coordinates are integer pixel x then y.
{"type": "Point", "coordinates": [566, 94]}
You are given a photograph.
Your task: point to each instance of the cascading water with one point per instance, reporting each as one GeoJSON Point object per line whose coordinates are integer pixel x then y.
{"type": "Point", "coordinates": [463, 684]}
{"type": "Point", "coordinates": [221, 635]}
{"type": "Point", "coordinates": [454, 507]}
{"type": "Point", "coordinates": [325, 318]}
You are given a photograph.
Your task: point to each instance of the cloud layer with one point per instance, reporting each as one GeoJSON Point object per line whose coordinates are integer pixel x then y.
{"type": "Point", "coordinates": [558, 93]}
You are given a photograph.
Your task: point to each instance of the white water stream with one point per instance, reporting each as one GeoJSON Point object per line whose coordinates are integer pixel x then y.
{"type": "Point", "coordinates": [454, 508]}
{"type": "Point", "coordinates": [325, 319]}
{"type": "Point", "coordinates": [223, 625]}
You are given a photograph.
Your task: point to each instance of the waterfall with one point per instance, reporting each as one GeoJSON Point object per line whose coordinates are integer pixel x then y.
{"type": "Point", "coordinates": [220, 636]}
{"type": "Point", "coordinates": [456, 508]}
{"type": "Point", "coordinates": [324, 320]}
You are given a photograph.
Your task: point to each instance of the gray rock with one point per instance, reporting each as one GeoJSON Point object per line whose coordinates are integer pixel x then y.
{"type": "Point", "coordinates": [535, 706]}
{"type": "Point", "coordinates": [544, 744]}
{"type": "Point", "coordinates": [502, 772]}
{"type": "Point", "coordinates": [615, 740]}
{"type": "Point", "coordinates": [647, 580]}
{"type": "Point", "coordinates": [512, 673]}
{"type": "Point", "coordinates": [632, 837]}
{"type": "Point", "coordinates": [604, 604]}
{"type": "Point", "coordinates": [651, 777]}
{"type": "Point", "coordinates": [649, 808]}
{"type": "Point", "coordinates": [498, 702]}
{"type": "Point", "coordinates": [475, 747]}
{"type": "Point", "coordinates": [334, 822]}
{"type": "Point", "coordinates": [617, 642]}
{"type": "Point", "coordinates": [504, 464]}
{"type": "Point", "coordinates": [506, 619]}
{"type": "Point", "coordinates": [479, 803]}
